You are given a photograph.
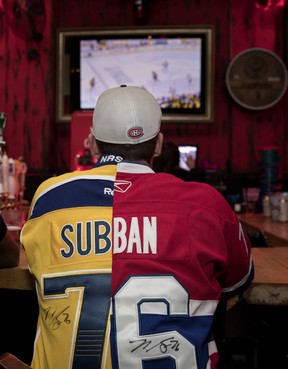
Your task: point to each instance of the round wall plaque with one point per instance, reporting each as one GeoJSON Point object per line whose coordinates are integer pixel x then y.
{"type": "Point", "coordinates": [256, 78]}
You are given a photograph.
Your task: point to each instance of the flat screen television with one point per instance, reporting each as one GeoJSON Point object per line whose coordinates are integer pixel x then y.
{"type": "Point", "coordinates": [174, 64]}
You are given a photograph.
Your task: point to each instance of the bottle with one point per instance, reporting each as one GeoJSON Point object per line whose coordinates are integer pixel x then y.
{"type": "Point", "coordinates": [3, 118]}
{"type": "Point", "coordinates": [237, 208]}
{"type": "Point", "coordinates": [11, 179]}
{"type": "Point", "coordinates": [5, 173]}
{"type": "Point", "coordinates": [283, 211]}
{"type": "Point", "coordinates": [1, 179]}
{"type": "Point", "coordinates": [266, 206]}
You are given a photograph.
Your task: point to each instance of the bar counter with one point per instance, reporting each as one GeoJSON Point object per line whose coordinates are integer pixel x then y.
{"type": "Point", "coordinates": [270, 284]}
{"type": "Point", "coordinates": [267, 299]}
{"type": "Point", "coordinates": [269, 287]}
{"type": "Point", "coordinates": [19, 310]}
{"type": "Point", "coordinates": [275, 233]}
{"type": "Point", "coordinates": [18, 278]}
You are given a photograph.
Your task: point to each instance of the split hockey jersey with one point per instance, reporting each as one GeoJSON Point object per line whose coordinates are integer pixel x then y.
{"type": "Point", "coordinates": [129, 268]}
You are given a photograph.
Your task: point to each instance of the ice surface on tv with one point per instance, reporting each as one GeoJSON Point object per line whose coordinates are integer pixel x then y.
{"type": "Point", "coordinates": [169, 68]}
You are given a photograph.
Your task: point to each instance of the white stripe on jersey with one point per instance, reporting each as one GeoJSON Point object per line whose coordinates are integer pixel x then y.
{"type": "Point", "coordinates": [240, 283]}
{"type": "Point", "coordinates": [196, 308]}
{"type": "Point", "coordinates": [128, 167]}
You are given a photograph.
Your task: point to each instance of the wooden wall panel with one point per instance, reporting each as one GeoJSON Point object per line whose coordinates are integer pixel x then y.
{"type": "Point", "coordinates": [253, 26]}
{"type": "Point", "coordinates": [235, 138]}
{"type": "Point", "coordinates": [27, 88]}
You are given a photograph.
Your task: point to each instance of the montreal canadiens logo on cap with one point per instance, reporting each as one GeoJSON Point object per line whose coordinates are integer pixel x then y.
{"type": "Point", "coordinates": [135, 132]}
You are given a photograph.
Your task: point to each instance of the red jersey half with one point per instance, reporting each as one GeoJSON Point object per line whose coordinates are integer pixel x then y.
{"type": "Point", "coordinates": [177, 247]}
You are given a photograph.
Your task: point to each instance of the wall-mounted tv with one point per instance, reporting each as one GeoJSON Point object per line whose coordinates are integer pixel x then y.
{"type": "Point", "coordinates": [174, 64]}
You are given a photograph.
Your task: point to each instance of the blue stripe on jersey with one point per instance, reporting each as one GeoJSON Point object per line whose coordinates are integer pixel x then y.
{"type": "Point", "coordinates": [89, 341]}
{"type": "Point", "coordinates": [75, 193]}
{"type": "Point", "coordinates": [194, 329]}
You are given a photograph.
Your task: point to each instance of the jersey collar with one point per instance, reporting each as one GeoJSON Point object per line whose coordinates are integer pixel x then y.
{"type": "Point", "coordinates": [108, 159]}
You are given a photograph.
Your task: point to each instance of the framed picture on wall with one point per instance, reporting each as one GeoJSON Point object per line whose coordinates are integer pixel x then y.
{"type": "Point", "coordinates": [174, 64]}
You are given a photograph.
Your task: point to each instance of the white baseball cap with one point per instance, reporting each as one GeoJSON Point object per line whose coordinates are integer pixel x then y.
{"type": "Point", "coordinates": [126, 115]}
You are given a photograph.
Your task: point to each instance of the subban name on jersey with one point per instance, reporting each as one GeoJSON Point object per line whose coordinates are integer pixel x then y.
{"type": "Point", "coordinates": [138, 235]}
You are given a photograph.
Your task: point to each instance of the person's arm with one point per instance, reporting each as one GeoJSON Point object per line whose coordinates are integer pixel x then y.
{"type": "Point", "coordinates": [9, 248]}
{"type": "Point", "coordinates": [190, 161]}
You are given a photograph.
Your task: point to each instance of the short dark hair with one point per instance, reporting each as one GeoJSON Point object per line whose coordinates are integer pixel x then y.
{"type": "Point", "coordinates": [141, 151]}
{"type": "Point", "coordinates": [169, 159]}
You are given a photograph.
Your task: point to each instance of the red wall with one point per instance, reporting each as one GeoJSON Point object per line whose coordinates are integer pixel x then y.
{"type": "Point", "coordinates": [236, 135]}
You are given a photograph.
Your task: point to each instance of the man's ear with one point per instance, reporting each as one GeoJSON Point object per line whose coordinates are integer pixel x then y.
{"type": "Point", "coordinates": [158, 147]}
{"type": "Point", "coordinates": [93, 145]}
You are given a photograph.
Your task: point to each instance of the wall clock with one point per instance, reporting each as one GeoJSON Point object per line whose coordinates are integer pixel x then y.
{"type": "Point", "coordinates": [256, 78]}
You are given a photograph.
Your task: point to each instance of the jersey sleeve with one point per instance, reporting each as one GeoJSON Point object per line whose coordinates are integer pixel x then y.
{"type": "Point", "coordinates": [239, 271]}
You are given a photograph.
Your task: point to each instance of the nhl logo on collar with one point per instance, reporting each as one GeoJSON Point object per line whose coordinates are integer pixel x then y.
{"type": "Point", "coordinates": [135, 132]}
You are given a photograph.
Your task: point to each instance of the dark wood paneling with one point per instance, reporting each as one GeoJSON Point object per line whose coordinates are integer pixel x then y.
{"type": "Point", "coordinates": [235, 138]}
